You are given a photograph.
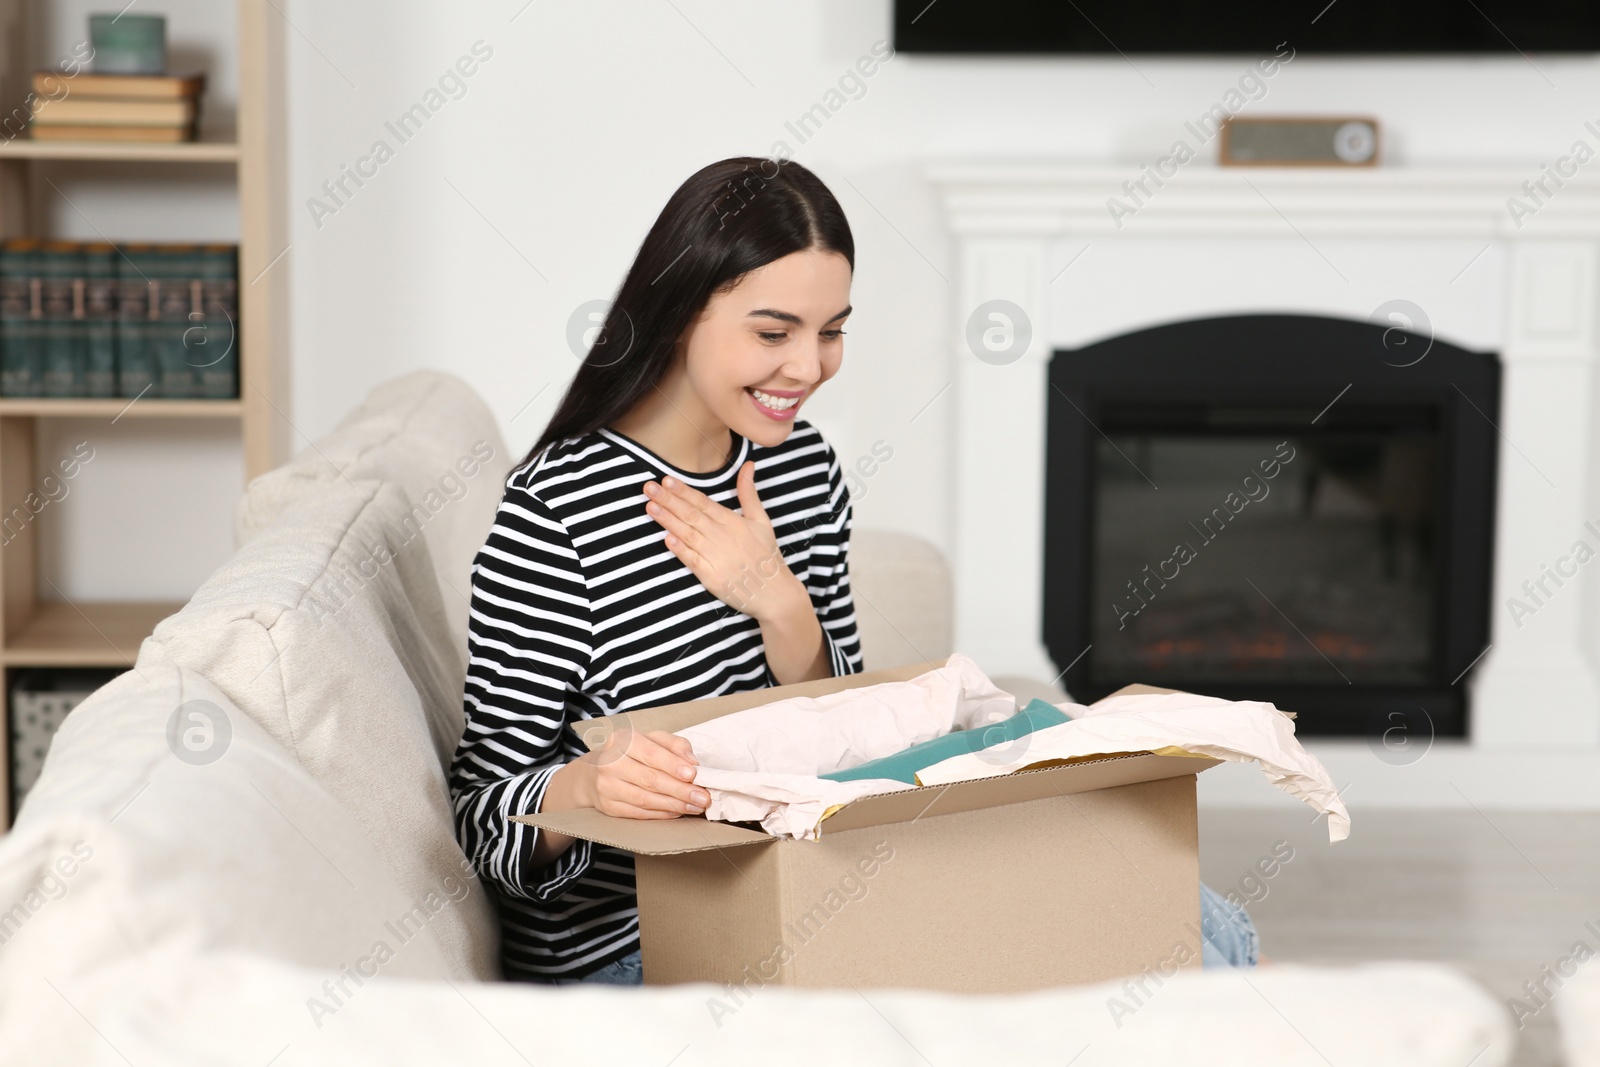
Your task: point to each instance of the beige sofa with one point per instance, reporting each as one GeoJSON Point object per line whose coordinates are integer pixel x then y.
{"type": "Point", "coordinates": [240, 850]}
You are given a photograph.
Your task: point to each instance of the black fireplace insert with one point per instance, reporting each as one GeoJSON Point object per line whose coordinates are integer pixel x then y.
{"type": "Point", "coordinates": [1291, 508]}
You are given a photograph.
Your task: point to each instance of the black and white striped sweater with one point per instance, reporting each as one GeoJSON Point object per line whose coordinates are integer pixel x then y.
{"type": "Point", "coordinates": [580, 610]}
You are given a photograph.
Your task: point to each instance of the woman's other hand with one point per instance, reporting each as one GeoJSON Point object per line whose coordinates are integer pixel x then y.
{"type": "Point", "coordinates": [643, 775]}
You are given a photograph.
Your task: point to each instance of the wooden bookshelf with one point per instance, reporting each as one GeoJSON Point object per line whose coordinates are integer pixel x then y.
{"type": "Point", "coordinates": [121, 407]}
{"type": "Point", "coordinates": [84, 634]}
{"type": "Point", "coordinates": [38, 628]}
{"type": "Point", "coordinates": [222, 149]}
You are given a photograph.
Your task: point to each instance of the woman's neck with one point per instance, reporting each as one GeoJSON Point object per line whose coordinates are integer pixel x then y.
{"type": "Point", "coordinates": [673, 422]}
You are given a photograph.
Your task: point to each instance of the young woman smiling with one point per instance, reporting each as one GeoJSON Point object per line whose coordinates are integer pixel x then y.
{"type": "Point", "coordinates": [678, 532]}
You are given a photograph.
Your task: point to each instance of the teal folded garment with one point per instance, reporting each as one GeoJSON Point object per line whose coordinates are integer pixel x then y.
{"type": "Point", "coordinates": [904, 765]}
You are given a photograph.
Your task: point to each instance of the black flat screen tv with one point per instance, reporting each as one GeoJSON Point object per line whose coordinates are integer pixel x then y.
{"type": "Point", "coordinates": [1246, 27]}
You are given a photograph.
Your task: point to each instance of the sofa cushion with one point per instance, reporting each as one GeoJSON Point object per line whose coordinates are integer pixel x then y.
{"type": "Point", "coordinates": [431, 435]}
{"type": "Point", "coordinates": [904, 598]}
{"type": "Point", "coordinates": [327, 629]}
{"type": "Point", "coordinates": [1578, 1009]}
{"type": "Point", "coordinates": [226, 1009]}
{"type": "Point", "coordinates": [165, 817]}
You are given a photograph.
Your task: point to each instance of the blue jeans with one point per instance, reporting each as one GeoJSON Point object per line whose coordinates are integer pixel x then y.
{"type": "Point", "coordinates": [629, 970]}
{"type": "Point", "coordinates": [1227, 931]}
{"type": "Point", "coordinates": [1228, 934]}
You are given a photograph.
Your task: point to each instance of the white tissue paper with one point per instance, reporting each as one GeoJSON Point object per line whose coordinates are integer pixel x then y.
{"type": "Point", "coordinates": [761, 764]}
{"type": "Point", "coordinates": [1236, 730]}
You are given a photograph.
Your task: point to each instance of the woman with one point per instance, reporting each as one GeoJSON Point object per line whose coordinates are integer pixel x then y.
{"type": "Point", "coordinates": [678, 532]}
{"type": "Point", "coordinates": [633, 562]}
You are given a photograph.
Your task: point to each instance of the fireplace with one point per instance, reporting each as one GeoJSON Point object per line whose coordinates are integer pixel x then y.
{"type": "Point", "coordinates": [1036, 235]}
{"type": "Point", "coordinates": [1284, 507]}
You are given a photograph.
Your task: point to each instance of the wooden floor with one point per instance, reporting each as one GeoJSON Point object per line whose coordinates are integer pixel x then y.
{"type": "Point", "coordinates": [1497, 894]}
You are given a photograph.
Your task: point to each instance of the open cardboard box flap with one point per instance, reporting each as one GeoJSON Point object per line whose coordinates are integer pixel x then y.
{"type": "Point", "coordinates": [663, 837]}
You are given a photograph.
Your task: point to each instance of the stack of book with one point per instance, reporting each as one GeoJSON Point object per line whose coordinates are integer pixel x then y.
{"type": "Point", "coordinates": [101, 320]}
{"type": "Point", "coordinates": [115, 107]}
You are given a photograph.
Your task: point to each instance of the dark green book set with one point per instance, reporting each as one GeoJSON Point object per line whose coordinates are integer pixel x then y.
{"type": "Point", "coordinates": [102, 320]}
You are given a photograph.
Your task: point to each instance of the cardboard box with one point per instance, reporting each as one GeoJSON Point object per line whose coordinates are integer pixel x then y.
{"type": "Point", "coordinates": [1077, 872]}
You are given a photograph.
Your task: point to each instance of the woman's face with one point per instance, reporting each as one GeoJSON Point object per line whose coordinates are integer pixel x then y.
{"type": "Point", "coordinates": [777, 331]}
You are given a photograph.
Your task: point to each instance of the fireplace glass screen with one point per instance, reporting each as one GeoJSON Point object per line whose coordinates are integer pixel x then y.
{"type": "Point", "coordinates": [1266, 554]}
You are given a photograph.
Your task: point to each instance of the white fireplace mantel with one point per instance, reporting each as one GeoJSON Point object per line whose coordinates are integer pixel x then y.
{"type": "Point", "coordinates": [1537, 685]}
{"type": "Point", "coordinates": [1038, 199]}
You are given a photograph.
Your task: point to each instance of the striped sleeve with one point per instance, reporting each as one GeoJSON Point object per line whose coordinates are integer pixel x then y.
{"type": "Point", "coordinates": [528, 645]}
{"type": "Point", "coordinates": [828, 580]}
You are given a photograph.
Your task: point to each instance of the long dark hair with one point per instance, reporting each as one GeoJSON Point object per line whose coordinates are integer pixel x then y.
{"type": "Point", "coordinates": [726, 220]}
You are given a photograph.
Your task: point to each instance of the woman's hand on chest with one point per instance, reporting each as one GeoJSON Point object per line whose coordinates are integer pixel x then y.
{"type": "Point", "coordinates": [735, 556]}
